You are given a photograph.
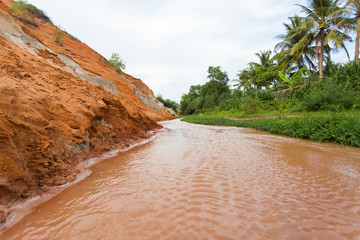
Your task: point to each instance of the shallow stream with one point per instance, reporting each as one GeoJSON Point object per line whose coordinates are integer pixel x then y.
{"type": "Point", "coordinates": [209, 182]}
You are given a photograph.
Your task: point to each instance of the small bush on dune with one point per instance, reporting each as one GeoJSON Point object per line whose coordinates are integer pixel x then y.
{"type": "Point", "coordinates": [117, 62]}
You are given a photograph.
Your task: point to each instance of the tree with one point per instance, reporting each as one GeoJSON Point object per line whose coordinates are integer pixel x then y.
{"type": "Point", "coordinates": [244, 80]}
{"type": "Point", "coordinates": [294, 82]}
{"type": "Point", "coordinates": [264, 73]}
{"type": "Point", "coordinates": [168, 103]}
{"type": "Point", "coordinates": [354, 6]}
{"type": "Point", "coordinates": [117, 62]}
{"type": "Point", "coordinates": [215, 74]}
{"type": "Point", "coordinates": [258, 74]}
{"type": "Point", "coordinates": [191, 101]}
{"type": "Point", "coordinates": [265, 76]}
{"type": "Point", "coordinates": [218, 83]}
{"type": "Point", "coordinates": [303, 56]}
{"type": "Point", "coordinates": [326, 21]}
{"type": "Point", "coordinates": [206, 96]}
{"type": "Point", "coordinates": [265, 59]}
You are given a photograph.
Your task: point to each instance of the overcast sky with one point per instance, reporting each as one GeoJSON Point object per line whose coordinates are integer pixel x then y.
{"type": "Point", "coordinates": [170, 44]}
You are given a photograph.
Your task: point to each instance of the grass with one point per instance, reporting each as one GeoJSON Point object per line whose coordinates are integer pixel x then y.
{"type": "Point", "coordinates": [342, 128]}
{"type": "Point", "coordinates": [62, 33]}
{"type": "Point", "coordinates": [59, 38]}
{"type": "Point", "coordinates": [24, 11]}
{"type": "Point", "coordinates": [242, 114]}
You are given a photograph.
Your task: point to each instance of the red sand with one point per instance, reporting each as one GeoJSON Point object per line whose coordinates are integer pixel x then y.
{"type": "Point", "coordinates": [50, 119]}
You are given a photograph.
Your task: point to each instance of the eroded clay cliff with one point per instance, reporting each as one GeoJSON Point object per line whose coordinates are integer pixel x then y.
{"type": "Point", "coordinates": [60, 103]}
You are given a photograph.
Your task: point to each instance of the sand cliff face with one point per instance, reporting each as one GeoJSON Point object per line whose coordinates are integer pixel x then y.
{"type": "Point", "coordinates": [60, 102]}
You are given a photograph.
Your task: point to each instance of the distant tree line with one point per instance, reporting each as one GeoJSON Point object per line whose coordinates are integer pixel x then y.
{"type": "Point", "coordinates": [168, 103]}
{"type": "Point", "coordinates": [299, 73]}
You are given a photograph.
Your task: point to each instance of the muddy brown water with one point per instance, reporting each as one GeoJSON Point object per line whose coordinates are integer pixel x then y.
{"type": "Point", "coordinates": [209, 182]}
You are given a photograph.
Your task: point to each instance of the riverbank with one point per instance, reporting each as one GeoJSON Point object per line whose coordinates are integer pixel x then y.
{"type": "Point", "coordinates": [342, 128]}
{"type": "Point", "coordinates": [22, 207]}
{"type": "Point", "coordinates": [61, 103]}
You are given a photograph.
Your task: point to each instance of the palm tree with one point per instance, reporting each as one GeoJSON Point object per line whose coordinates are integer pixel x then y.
{"type": "Point", "coordinates": [301, 58]}
{"type": "Point", "coordinates": [325, 19]}
{"type": "Point", "coordinates": [258, 74]}
{"type": "Point", "coordinates": [244, 80]}
{"type": "Point", "coordinates": [249, 77]}
{"type": "Point", "coordinates": [264, 73]}
{"type": "Point", "coordinates": [265, 59]}
{"type": "Point", "coordinates": [354, 6]}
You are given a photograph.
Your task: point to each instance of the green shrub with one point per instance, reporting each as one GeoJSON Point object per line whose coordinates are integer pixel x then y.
{"type": "Point", "coordinates": [24, 10]}
{"type": "Point", "coordinates": [117, 62]}
{"type": "Point", "coordinates": [348, 74]}
{"type": "Point", "coordinates": [330, 95]}
{"type": "Point", "coordinates": [251, 105]}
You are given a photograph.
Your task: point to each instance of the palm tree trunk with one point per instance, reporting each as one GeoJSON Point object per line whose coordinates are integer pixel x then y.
{"type": "Point", "coordinates": [357, 46]}
{"type": "Point", "coordinates": [357, 31]}
{"type": "Point", "coordinates": [321, 54]}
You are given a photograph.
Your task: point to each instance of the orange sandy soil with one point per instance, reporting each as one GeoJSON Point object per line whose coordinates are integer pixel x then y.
{"type": "Point", "coordinates": [50, 120]}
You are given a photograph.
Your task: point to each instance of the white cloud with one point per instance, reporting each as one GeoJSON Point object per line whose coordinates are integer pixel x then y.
{"type": "Point", "coordinates": [171, 43]}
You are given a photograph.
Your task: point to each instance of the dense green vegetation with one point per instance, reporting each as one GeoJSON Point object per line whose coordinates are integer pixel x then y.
{"type": "Point", "coordinates": [298, 76]}
{"type": "Point", "coordinates": [209, 95]}
{"type": "Point", "coordinates": [169, 103]}
{"type": "Point", "coordinates": [338, 128]}
{"type": "Point", "coordinates": [339, 90]}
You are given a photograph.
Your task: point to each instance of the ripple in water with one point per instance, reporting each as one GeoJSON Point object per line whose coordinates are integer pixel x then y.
{"type": "Point", "coordinates": [205, 182]}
